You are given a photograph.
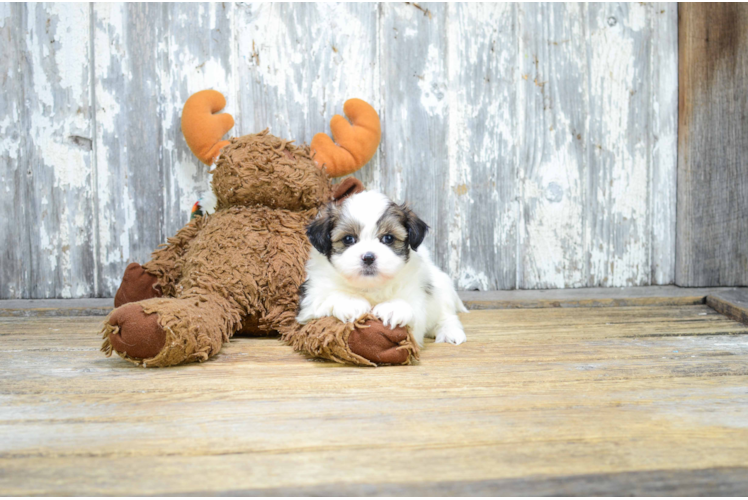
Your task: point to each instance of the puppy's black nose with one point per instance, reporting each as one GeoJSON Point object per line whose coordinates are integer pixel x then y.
{"type": "Point", "coordinates": [368, 258]}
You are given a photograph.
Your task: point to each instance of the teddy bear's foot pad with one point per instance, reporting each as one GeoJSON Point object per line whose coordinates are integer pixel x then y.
{"type": "Point", "coordinates": [379, 343]}
{"type": "Point", "coordinates": [136, 333]}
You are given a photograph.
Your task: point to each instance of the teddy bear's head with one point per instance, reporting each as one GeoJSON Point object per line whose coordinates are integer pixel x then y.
{"type": "Point", "coordinates": [262, 169]}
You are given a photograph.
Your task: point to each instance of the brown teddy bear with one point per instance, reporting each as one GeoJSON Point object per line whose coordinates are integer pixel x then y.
{"type": "Point", "coordinates": [239, 269]}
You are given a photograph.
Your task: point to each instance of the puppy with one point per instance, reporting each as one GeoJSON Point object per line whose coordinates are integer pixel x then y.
{"type": "Point", "coordinates": [368, 257]}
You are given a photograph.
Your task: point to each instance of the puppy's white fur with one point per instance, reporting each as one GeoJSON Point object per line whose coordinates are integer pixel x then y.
{"type": "Point", "coordinates": [409, 292]}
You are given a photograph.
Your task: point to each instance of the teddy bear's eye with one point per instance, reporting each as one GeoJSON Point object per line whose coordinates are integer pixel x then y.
{"type": "Point", "coordinates": [387, 239]}
{"type": "Point", "coordinates": [349, 240]}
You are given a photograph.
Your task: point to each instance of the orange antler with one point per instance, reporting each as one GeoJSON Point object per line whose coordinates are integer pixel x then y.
{"type": "Point", "coordinates": [202, 128]}
{"type": "Point", "coordinates": [356, 141]}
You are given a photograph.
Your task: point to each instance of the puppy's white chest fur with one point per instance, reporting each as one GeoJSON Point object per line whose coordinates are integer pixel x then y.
{"type": "Point", "coordinates": [368, 257]}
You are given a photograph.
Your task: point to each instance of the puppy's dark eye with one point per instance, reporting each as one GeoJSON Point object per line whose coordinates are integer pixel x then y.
{"type": "Point", "coordinates": [387, 239]}
{"type": "Point", "coordinates": [349, 240]}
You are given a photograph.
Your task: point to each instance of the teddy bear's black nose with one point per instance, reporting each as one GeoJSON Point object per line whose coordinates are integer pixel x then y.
{"type": "Point", "coordinates": [368, 258]}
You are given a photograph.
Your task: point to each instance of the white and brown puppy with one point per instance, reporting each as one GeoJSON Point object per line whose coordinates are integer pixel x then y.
{"type": "Point", "coordinates": [368, 256]}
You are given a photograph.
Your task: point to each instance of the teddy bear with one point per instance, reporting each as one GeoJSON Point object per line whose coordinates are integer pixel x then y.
{"type": "Point", "coordinates": [238, 269]}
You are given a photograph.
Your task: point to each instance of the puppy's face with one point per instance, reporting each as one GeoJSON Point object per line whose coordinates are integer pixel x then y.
{"type": "Point", "coordinates": [368, 238]}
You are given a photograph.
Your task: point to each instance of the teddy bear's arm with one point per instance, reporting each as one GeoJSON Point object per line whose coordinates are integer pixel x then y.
{"type": "Point", "coordinates": [364, 342]}
{"type": "Point", "coordinates": [166, 261]}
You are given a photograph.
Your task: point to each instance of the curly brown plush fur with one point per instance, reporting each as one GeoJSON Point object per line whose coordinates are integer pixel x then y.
{"type": "Point", "coordinates": [240, 269]}
{"type": "Point", "coordinates": [261, 169]}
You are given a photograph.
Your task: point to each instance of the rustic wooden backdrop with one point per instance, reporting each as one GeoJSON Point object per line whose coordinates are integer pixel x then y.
{"type": "Point", "coordinates": [712, 213]}
{"type": "Point", "coordinates": [538, 140]}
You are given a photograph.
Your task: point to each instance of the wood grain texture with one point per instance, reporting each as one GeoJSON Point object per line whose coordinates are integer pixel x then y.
{"type": "Point", "coordinates": [200, 54]}
{"type": "Point", "coordinates": [128, 41]}
{"type": "Point", "coordinates": [297, 64]}
{"type": "Point", "coordinates": [727, 481]}
{"type": "Point", "coordinates": [149, 60]}
{"type": "Point", "coordinates": [544, 394]}
{"type": "Point", "coordinates": [416, 111]}
{"type": "Point", "coordinates": [14, 259]}
{"type": "Point", "coordinates": [47, 234]}
{"type": "Point", "coordinates": [733, 303]}
{"type": "Point", "coordinates": [481, 195]}
{"type": "Point", "coordinates": [617, 155]}
{"type": "Point", "coordinates": [538, 141]}
{"type": "Point", "coordinates": [712, 246]}
{"type": "Point", "coordinates": [500, 299]}
{"type": "Point", "coordinates": [592, 297]}
{"type": "Point", "coordinates": [552, 166]}
{"type": "Point", "coordinates": [55, 307]}
{"type": "Point", "coordinates": [663, 139]}
{"type": "Point", "coordinates": [597, 204]}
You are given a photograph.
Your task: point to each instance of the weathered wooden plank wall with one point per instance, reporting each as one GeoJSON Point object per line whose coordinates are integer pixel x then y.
{"type": "Point", "coordinates": [712, 246]}
{"type": "Point", "coordinates": [538, 140]}
{"type": "Point", "coordinates": [46, 161]}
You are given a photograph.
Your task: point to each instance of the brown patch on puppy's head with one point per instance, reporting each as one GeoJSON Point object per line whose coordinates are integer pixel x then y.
{"type": "Point", "coordinates": [331, 231]}
{"type": "Point", "coordinates": [404, 226]}
{"type": "Point", "coordinates": [262, 169]}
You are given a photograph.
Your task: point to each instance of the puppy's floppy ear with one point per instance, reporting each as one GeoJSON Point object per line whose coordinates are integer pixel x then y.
{"type": "Point", "coordinates": [417, 229]}
{"type": "Point", "coordinates": [318, 231]}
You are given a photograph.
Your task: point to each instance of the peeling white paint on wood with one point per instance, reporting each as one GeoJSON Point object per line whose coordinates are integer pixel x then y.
{"type": "Point", "coordinates": [198, 55]}
{"type": "Point", "coordinates": [415, 165]}
{"type": "Point", "coordinates": [537, 140]}
{"type": "Point", "coordinates": [48, 242]}
{"type": "Point", "coordinates": [663, 137]}
{"type": "Point", "coordinates": [298, 63]}
{"type": "Point", "coordinates": [129, 136]}
{"type": "Point", "coordinates": [483, 145]}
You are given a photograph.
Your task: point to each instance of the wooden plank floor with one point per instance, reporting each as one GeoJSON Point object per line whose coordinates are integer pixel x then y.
{"type": "Point", "coordinates": [627, 400]}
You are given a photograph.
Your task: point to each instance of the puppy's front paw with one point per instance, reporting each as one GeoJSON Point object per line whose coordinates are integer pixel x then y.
{"type": "Point", "coordinates": [349, 310]}
{"type": "Point", "coordinates": [451, 335]}
{"type": "Point", "coordinates": [450, 331]}
{"type": "Point", "coordinates": [394, 313]}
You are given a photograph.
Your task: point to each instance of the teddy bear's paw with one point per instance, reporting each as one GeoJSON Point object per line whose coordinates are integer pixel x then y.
{"type": "Point", "coordinates": [136, 285]}
{"type": "Point", "coordinates": [394, 313]}
{"type": "Point", "coordinates": [137, 334]}
{"type": "Point", "coordinates": [380, 344]}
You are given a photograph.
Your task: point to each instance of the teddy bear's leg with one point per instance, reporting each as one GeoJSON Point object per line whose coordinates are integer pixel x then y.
{"type": "Point", "coordinates": [158, 276]}
{"type": "Point", "coordinates": [166, 262]}
{"type": "Point", "coordinates": [365, 342]}
{"type": "Point", "coordinates": [171, 331]}
{"type": "Point", "coordinates": [136, 285]}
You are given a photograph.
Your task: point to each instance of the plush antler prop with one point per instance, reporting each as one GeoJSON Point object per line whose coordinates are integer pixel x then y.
{"type": "Point", "coordinates": [356, 141]}
{"type": "Point", "coordinates": [202, 128]}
